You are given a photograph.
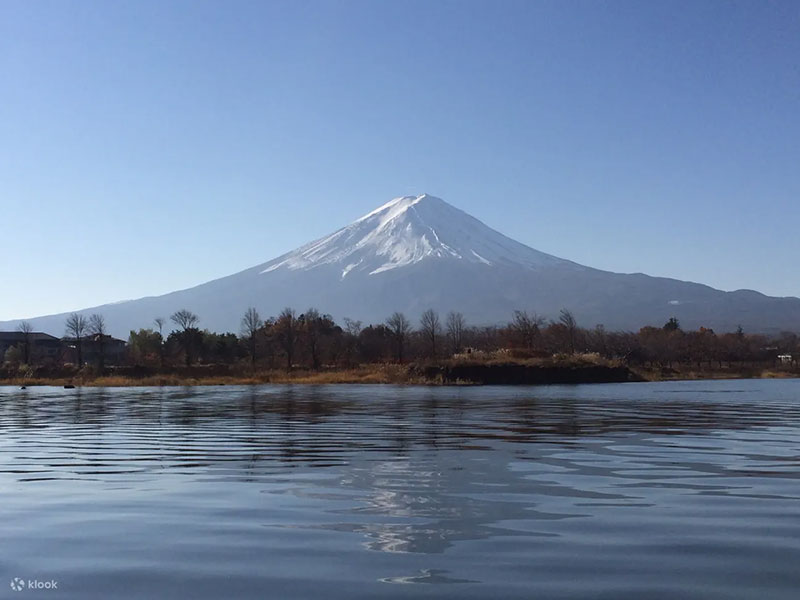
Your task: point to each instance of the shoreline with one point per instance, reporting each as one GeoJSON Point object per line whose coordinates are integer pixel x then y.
{"type": "Point", "coordinates": [431, 374]}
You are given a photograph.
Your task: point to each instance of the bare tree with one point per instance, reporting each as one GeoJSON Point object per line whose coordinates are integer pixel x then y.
{"type": "Point", "coordinates": [76, 329]}
{"type": "Point", "coordinates": [159, 321]}
{"type": "Point", "coordinates": [26, 329]}
{"type": "Point", "coordinates": [430, 328]}
{"type": "Point", "coordinates": [187, 321]}
{"type": "Point", "coordinates": [97, 324]}
{"type": "Point", "coordinates": [456, 324]}
{"type": "Point", "coordinates": [352, 330]}
{"type": "Point", "coordinates": [526, 327]}
{"type": "Point", "coordinates": [487, 338]}
{"type": "Point", "coordinates": [352, 327]}
{"type": "Point", "coordinates": [311, 331]}
{"type": "Point", "coordinates": [286, 332]}
{"type": "Point", "coordinates": [269, 338]}
{"type": "Point", "coordinates": [97, 328]}
{"type": "Point", "coordinates": [599, 340]}
{"type": "Point", "coordinates": [400, 328]}
{"type": "Point", "coordinates": [251, 324]}
{"type": "Point", "coordinates": [567, 319]}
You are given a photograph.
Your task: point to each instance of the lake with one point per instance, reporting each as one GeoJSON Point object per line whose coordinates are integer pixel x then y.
{"type": "Point", "coordinates": [645, 491]}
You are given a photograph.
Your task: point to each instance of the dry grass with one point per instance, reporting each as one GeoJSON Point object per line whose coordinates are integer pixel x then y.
{"type": "Point", "coordinates": [504, 358]}
{"type": "Point", "coordinates": [768, 374]}
{"type": "Point", "coordinates": [689, 374]}
{"type": "Point", "coordinates": [365, 374]}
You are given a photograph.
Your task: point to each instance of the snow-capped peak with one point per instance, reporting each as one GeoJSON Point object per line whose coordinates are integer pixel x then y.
{"type": "Point", "coordinates": [394, 207]}
{"type": "Point", "coordinates": [408, 230]}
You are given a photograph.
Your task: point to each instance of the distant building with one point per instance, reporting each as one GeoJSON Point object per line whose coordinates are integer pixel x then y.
{"type": "Point", "coordinates": [785, 359]}
{"type": "Point", "coordinates": [113, 349]}
{"type": "Point", "coordinates": [42, 345]}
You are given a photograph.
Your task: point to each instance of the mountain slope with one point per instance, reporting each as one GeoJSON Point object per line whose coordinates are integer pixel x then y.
{"type": "Point", "coordinates": [418, 252]}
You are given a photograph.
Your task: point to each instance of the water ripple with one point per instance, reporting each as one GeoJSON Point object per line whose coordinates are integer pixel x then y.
{"type": "Point", "coordinates": [620, 491]}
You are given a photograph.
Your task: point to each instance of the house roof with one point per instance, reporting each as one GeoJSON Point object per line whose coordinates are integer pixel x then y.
{"type": "Point", "coordinates": [17, 336]}
{"type": "Point", "coordinates": [94, 337]}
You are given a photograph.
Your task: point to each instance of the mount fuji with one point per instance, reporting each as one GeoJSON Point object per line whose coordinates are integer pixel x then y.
{"type": "Point", "coordinates": [419, 252]}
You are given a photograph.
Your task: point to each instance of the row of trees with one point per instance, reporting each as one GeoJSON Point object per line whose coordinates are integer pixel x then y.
{"type": "Point", "coordinates": [310, 339]}
{"type": "Point", "coordinates": [313, 340]}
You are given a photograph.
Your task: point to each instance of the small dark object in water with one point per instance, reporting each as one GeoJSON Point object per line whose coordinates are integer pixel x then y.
{"type": "Point", "coordinates": [23, 388]}
{"type": "Point", "coordinates": [69, 386]}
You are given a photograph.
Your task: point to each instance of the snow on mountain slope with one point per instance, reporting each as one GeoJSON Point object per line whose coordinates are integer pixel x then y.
{"type": "Point", "coordinates": [409, 230]}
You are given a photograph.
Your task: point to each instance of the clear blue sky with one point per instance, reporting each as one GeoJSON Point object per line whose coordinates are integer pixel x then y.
{"type": "Point", "coordinates": [150, 146]}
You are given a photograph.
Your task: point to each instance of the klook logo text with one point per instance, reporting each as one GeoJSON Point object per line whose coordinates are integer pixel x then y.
{"type": "Point", "coordinates": [18, 584]}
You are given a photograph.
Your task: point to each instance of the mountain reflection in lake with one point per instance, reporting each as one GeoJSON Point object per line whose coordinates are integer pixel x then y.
{"type": "Point", "coordinates": [672, 490]}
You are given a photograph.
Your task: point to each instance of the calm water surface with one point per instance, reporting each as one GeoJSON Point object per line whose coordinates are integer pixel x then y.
{"type": "Point", "coordinates": [670, 490]}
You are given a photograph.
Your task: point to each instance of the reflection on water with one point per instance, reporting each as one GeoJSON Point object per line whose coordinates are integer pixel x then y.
{"type": "Point", "coordinates": [426, 576]}
{"type": "Point", "coordinates": [632, 490]}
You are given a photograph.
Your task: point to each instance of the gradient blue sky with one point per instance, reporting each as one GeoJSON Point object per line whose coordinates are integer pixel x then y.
{"type": "Point", "coordinates": [151, 146]}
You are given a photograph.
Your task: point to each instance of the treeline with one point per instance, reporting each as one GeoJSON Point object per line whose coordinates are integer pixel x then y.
{"type": "Point", "coordinates": [313, 340]}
